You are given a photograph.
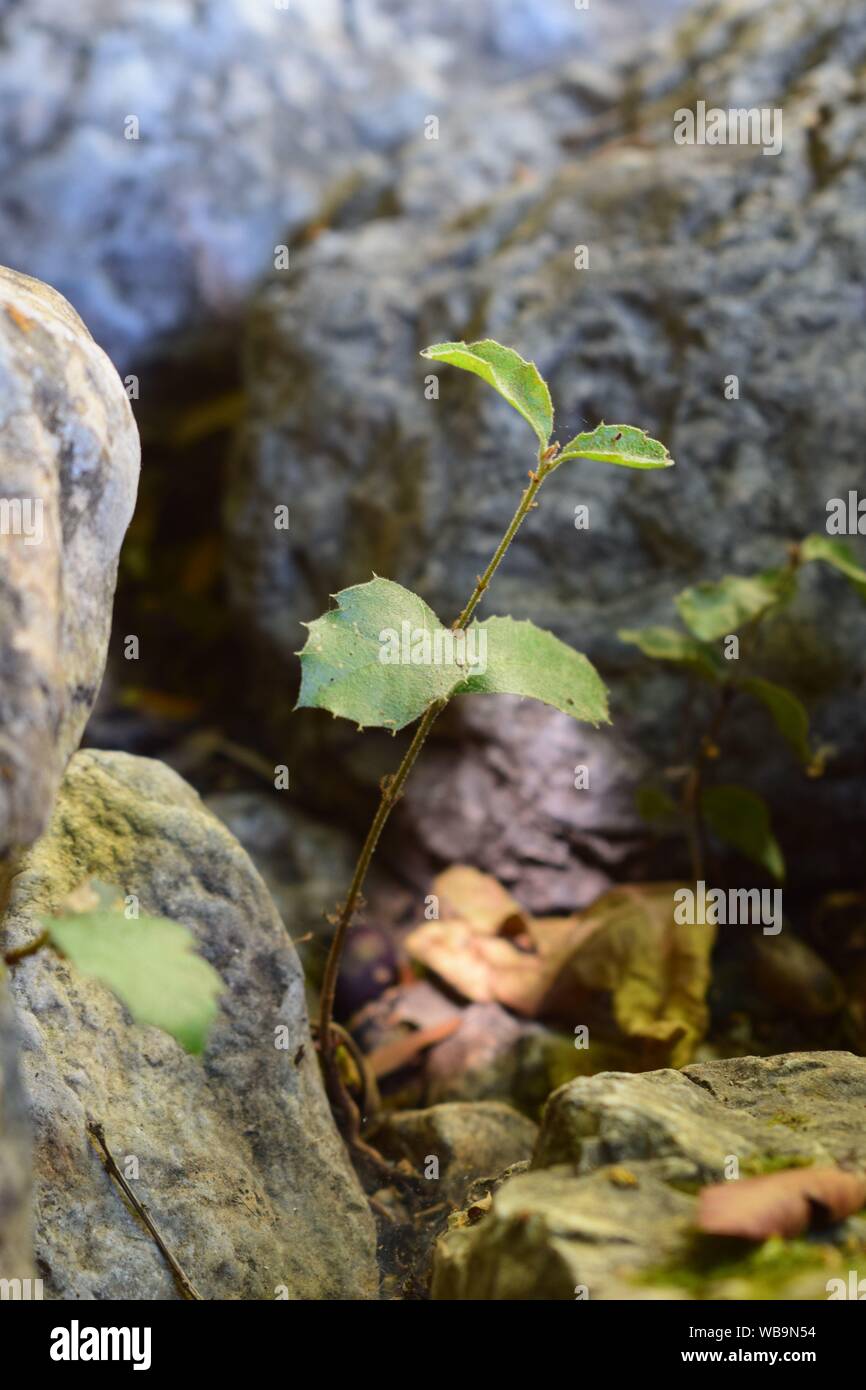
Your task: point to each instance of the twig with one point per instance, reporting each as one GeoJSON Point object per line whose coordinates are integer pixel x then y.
{"type": "Point", "coordinates": [392, 788]}
{"type": "Point", "coordinates": [184, 1283]}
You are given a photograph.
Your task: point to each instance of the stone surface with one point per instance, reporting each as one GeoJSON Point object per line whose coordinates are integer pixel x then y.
{"type": "Point", "coordinates": [608, 1205]}
{"type": "Point", "coordinates": [704, 261]}
{"type": "Point", "coordinates": [238, 1158]}
{"type": "Point", "coordinates": [305, 863]}
{"type": "Point", "coordinates": [69, 459]}
{"type": "Point", "coordinates": [245, 114]}
{"type": "Point", "coordinates": [470, 1140]}
{"type": "Point", "coordinates": [494, 1056]}
{"type": "Point", "coordinates": [16, 1225]}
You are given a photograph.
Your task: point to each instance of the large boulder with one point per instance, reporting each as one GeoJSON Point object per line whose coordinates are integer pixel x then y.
{"type": "Point", "coordinates": [608, 1207]}
{"type": "Point", "coordinates": [244, 113]}
{"type": "Point", "coordinates": [236, 1154]}
{"type": "Point", "coordinates": [69, 459]}
{"type": "Point", "coordinates": [16, 1223]}
{"type": "Point", "coordinates": [704, 261]}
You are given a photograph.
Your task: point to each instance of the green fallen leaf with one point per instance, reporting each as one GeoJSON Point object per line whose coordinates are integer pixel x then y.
{"type": "Point", "coordinates": [516, 380]}
{"type": "Point", "coordinates": [741, 818]}
{"type": "Point", "coordinates": [621, 444]}
{"type": "Point", "coordinates": [788, 712]}
{"type": "Point", "coordinates": [717, 610]}
{"type": "Point", "coordinates": [151, 965]}
{"type": "Point", "coordinates": [523, 659]}
{"type": "Point", "coordinates": [839, 555]}
{"type": "Point", "coordinates": [669, 644]}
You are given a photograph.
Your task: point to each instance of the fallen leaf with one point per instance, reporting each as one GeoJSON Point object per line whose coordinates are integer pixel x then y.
{"type": "Point", "coordinates": [780, 1204]}
{"type": "Point", "coordinates": [486, 969]}
{"type": "Point", "coordinates": [479, 900]}
{"type": "Point", "coordinates": [657, 970]}
{"type": "Point", "coordinates": [392, 1056]}
{"type": "Point", "coordinates": [624, 956]}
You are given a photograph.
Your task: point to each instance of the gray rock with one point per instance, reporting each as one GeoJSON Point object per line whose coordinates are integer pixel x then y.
{"type": "Point", "coordinates": [608, 1211]}
{"type": "Point", "coordinates": [238, 1158]}
{"type": "Point", "coordinates": [16, 1225]}
{"type": "Point", "coordinates": [69, 459]}
{"type": "Point", "coordinates": [704, 261]}
{"type": "Point", "coordinates": [306, 863]}
{"type": "Point", "coordinates": [245, 115]}
{"type": "Point", "coordinates": [496, 788]}
{"type": "Point", "coordinates": [494, 1056]}
{"type": "Point", "coordinates": [469, 1140]}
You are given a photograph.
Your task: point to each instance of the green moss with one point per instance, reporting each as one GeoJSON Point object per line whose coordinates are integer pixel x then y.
{"type": "Point", "coordinates": [710, 1262]}
{"type": "Point", "coordinates": [761, 1164]}
{"type": "Point", "coordinates": [784, 1117]}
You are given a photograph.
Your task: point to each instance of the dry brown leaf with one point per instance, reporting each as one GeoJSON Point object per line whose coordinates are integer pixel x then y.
{"type": "Point", "coordinates": [392, 1056]}
{"type": "Point", "coordinates": [626, 949]}
{"type": "Point", "coordinates": [480, 900]}
{"type": "Point", "coordinates": [780, 1204]}
{"type": "Point", "coordinates": [485, 969]}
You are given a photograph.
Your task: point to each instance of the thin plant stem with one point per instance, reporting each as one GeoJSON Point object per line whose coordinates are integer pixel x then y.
{"type": "Point", "coordinates": [392, 787]}
{"type": "Point", "coordinates": [707, 748]}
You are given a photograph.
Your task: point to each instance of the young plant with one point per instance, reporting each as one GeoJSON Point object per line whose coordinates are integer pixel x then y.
{"type": "Point", "coordinates": [710, 612]}
{"type": "Point", "coordinates": [382, 658]}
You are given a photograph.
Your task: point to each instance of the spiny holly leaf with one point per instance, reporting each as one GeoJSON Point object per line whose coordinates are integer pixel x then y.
{"type": "Point", "coordinates": [717, 610]}
{"type": "Point", "coordinates": [837, 554]}
{"type": "Point", "coordinates": [382, 656]}
{"type": "Point", "coordinates": [523, 659]}
{"type": "Point", "coordinates": [149, 962]}
{"type": "Point", "coordinates": [742, 819]}
{"type": "Point", "coordinates": [622, 444]}
{"type": "Point", "coordinates": [669, 644]}
{"type": "Point", "coordinates": [365, 659]}
{"type": "Point", "coordinates": [788, 712]}
{"type": "Point", "coordinates": [506, 371]}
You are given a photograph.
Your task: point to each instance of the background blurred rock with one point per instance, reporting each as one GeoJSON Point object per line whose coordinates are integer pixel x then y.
{"type": "Point", "coordinates": [703, 261]}
{"type": "Point", "coordinates": [246, 110]}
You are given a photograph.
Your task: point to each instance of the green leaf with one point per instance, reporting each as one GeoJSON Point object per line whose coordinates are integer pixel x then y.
{"type": "Point", "coordinates": [343, 669]}
{"type": "Point", "coordinates": [523, 659]}
{"type": "Point", "coordinates": [717, 610]}
{"type": "Point", "coordinates": [741, 818]}
{"type": "Point", "coordinates": [622, 444]}
{"type": "Point", "coordinates": [506, 371]}
{"type": "Point", "coordinates": [669, 644]}
{"type": "Point", "coordinates": [342, 663]}
{"type": "Point", "coordinates": [151, 965]}
{"type": "Point", "coordinates": [788, 712]}
{"type": "Point", "coordinates": [837, 554]}
{"type": "Point", "coordinates": [656, 806]}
